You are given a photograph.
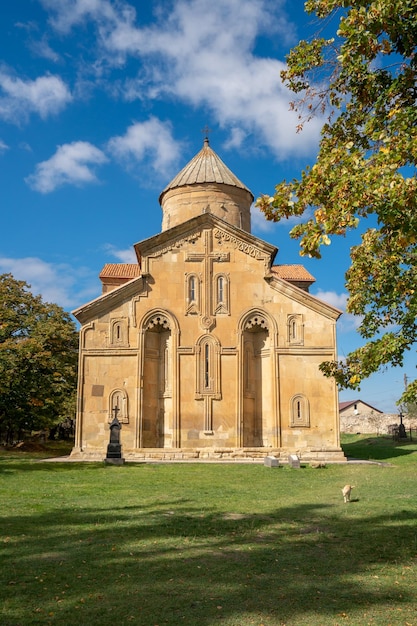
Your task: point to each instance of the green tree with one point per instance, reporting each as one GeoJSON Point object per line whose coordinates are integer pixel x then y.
{"type": "Point", "coordinates": [364, 80]}
{"type": "Point", "coordinates": [38, 360]}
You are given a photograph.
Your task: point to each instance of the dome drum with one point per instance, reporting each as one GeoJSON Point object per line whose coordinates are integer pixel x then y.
{"type": "Point", "coordinates": [231, 204]}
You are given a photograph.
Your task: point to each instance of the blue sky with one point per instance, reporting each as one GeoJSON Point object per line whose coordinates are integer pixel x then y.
{"type": "Point", "coordinates": [102, 102]}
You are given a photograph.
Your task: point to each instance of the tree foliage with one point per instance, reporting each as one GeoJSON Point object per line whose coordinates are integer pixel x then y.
{"type": "Point", "coordinates": [38, 360]}
{"type": "Point", "coordinates": [364, 79]}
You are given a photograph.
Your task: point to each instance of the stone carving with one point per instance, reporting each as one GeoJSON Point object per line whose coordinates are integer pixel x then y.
{"type": "Point", "coordinates": [179, 243]}
{"type": "Point", "coordinates": [249, 249]}
{"type": "Point", "coordinates": [207, 322]}
{"type": "Point", "coordinates": [256, 320]}
{"type": "Point", "coordinates": [160, 320]}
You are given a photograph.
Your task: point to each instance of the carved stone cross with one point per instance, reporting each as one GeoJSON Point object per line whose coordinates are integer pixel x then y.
{"type": "Point", "coordinates": [208, 258]}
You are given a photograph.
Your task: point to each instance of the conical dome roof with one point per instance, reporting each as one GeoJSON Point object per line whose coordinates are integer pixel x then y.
{"type": "Point", "coordinates": [206, 185]}
{"type": "Point", "coordinates": [205, 167]}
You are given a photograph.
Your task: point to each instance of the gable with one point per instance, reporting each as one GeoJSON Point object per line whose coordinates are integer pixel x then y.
{"type": "Point", "coordinates": [188, 233]}
{"type": "Point", "coordinates": [204, 241]}
{"type": "Point", "coordinates": [301, 296]}
{"type": "Point", "coordinates": [360, 404]}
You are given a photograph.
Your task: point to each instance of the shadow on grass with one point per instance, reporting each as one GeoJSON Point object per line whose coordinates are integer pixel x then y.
{"type": "Point", "coordinates": [175, 563]}
{"type": "Point", "coordinates": [15, 465]}
{"type": "Point", "coordinates": [378, 448]}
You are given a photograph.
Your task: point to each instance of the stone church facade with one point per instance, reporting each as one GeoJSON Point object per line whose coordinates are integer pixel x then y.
{"type": "Point", "coordinates": [204, 348]}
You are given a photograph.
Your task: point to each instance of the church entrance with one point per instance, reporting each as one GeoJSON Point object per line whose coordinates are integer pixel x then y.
{"type": "Point", "coordinates": [157, 385]}
{"type": "Point", "coordinates": [256, 382]}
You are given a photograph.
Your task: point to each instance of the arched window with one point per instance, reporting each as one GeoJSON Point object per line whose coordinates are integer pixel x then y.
{"type": "Point", "coordinates": [192, 289]}
{"type": "Point", "coordinates": [300, 412]}
{"type": "Point", "coordinates": [295, 329]}
{"type": "Point", "coordinates": [118, 332]}
{"type": "Point", "coordinates": [221, 294]}
{"type": "Point", "coordinates": [207, 366]}
{"type": "Point", "coordinates": [220, 289]}
{"type": "Point", "coordinates": [192, 294]}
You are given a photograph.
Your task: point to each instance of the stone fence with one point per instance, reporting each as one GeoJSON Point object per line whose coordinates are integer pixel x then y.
{"type": "Point", "coordinates": [373, 422]}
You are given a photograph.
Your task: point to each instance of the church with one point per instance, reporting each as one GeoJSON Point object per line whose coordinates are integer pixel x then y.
{"type": "Point", "coordinates": [206, 348]}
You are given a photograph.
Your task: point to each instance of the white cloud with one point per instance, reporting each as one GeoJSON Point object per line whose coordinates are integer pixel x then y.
{"type": "Point", "coordinates": [337, 300]}
{"type": "Point", "coordinates": [236, 138]}
{"type": "Point", "coordinates": [68, 13]}
{"type": "Point", "coordinates": [46, 95]}
{"type": "Point", "coordinates": [23, 145]}
{"type": "Point", "coordinates": [42, 49]}
{"type": "Point", "coordinates": [203, 53]}
{"type": "Point", "coordinates": [259, 223]}
{"type": "Point", "coordinates": [347, 322]}
{"type": "Point", "coordinates": [3, 146]}
{"type": "Point", "coordinates": [60, 284]}
{"type": "Point", "coordinates": [151, 140]}
{"type": "Point", "coordinates": [262, 225]}
{"type": "Point", "coordinates": [125, 256]}
{"type": "Point", "coordinates": [72, 163]}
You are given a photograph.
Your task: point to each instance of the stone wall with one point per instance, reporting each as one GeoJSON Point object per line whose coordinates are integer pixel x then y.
{"type": "Point", "coordinates": [373, 422]}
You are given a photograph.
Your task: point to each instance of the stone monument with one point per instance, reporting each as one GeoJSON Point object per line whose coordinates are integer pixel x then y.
{"type": "Point", "coordinates": [114, 448]}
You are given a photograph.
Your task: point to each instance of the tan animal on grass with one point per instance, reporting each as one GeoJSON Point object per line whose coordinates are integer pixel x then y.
{"type": "Point", "coordinates": [346, 492]}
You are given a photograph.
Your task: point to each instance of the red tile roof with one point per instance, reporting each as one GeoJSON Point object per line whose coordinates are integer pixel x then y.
{"type": "Point", "coordinates": [120, 270]}
{"type": "Point", "coordinates": [296, 273]}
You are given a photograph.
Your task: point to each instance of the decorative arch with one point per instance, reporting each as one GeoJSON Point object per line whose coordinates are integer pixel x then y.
{"type": "Point", "coordinates": [295, 329]}
{"type": "Point", "coordinates": [157, 322]}
{"type": "Point", "coordinates": [158, 412]}
{"type": "Point", "coordinates": [85, 331]}
{"type": "Point", "coordinates": [258, 411]}
{"type": "Point", "coordinates": [118, 332]}
{"type": "Point", "coordinates": [192, 293]}
{"type": "Point", "coordinates": [257, 317]}
{"type": "Point", "coordinates": [118, 406]}
{"type": "Point", "coordinates": [207, 377]}
{"type": "Point", "coordinates": [221, 290]}
{"type": "Point", "coordinates": [207, 351]}
{"type": "Point", "coordinates": [300, 411]}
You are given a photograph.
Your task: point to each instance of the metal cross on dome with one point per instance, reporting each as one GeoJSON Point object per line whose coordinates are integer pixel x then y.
{"type": "Point", "coordinates": [206, 130]}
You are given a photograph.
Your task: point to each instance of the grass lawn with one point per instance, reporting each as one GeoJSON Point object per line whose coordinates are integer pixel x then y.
{"type": "Point", "coordinates": [210, 544]}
